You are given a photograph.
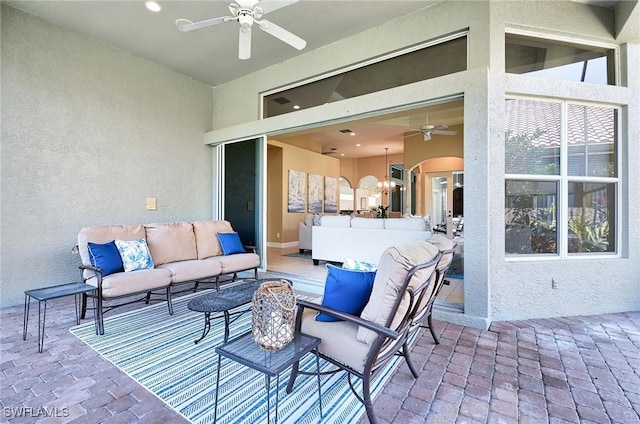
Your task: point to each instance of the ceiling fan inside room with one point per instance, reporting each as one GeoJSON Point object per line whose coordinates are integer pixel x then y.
{"type": "Point", "coordinates": [246, 13]}
{"type": "Point", "coordinates": [429, 129]}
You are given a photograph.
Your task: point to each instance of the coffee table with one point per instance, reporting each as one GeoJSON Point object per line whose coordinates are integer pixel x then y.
{"type": "Point", "coordinates": [223, 301]}
{"type": "Point", "coordinates": [246, 351]}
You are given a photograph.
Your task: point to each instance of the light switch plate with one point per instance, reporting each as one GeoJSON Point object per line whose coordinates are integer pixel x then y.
{"type": "Point", "coordinates": [152, 203]}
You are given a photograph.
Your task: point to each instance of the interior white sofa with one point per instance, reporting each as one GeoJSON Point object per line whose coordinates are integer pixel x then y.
{"type": "Point", "coordinates": [363, 239]}
{"type": "Point", "coordinates": [305, 236]}
{"type": "Point", "coordinates": [181, 253]}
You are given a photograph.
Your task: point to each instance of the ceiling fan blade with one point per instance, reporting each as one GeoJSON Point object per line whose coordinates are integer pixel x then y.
{"type": "Point", "coordinates": [440, 127]}
{"type": "Point", "coordinates": [245, 4]}
{"type": "Point", "coordinates": [427, 136]}
{"type": "Point", "coordinates": [444, 132]}
{"type": "Point", "coordinates": [244, 43]}
{"type": "Point", "coordinates": [186, 25]}
{"type": "Point", "coordinates": [281, 33]}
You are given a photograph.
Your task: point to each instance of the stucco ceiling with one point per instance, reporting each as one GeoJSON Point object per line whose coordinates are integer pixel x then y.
{"type": "Point", "coordinates": [210, 54]}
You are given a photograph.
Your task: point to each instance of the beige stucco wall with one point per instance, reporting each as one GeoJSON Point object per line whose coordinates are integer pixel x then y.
{"type": "Point", "coordinates": [88, 133]}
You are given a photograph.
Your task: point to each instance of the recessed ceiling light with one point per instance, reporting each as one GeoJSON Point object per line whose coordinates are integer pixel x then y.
{"type": "Point", "coordinates": [352, 134]}
{"type": "Point", "coordinates": [296, 107]}
{"type": "Point", "coordinates": [341, 154]}
{"type": "Point", "coordinates": [152, 6]}
{"type": "Point", "coordinates": [358, 145]}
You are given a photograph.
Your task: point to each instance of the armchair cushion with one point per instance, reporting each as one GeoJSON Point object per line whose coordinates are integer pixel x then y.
{"type": "Point", "coordinates": [393, 267]}
{"type": "Point", "coordinates": [230, 243]}
{"type": "Point", "coordinates": [105, 256]}
{"type": "Point", "coordinates": [135, 254]}
{"type": "Point", "coordinates": [346, 290]}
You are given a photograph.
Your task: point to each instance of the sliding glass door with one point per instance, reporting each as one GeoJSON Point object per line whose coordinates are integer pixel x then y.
{"type": "Point", "coordinates": [239, 190]}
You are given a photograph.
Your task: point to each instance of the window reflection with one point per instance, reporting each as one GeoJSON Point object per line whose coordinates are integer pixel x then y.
{"type": "Point", "coordinates": [558, 60]}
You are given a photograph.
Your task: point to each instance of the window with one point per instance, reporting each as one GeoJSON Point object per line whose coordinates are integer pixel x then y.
{"type": "Point", "coordinates": [561, 178]}
{"type": "Point", "coordinates": [438, 58]}
{"type": "Point", "coordinates": [559, 60]}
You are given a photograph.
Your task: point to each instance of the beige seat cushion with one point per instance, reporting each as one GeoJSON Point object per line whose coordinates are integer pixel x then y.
{"type": "Point", "coordinates": [338, 340]}
{"type": "Point", "coordinates": [171, 242]}
{"type": "Point", "coordinates": [105, 234]}
{"type": "Point", "coordinates": [394, 265]}
{"type": "Point", "coordinates": [124, 283]}
{"type": "Point", "coordinates": [238, 262]}
{"type": "Point", "coordinates": [207, 243]}
{"type": "Point", "coordinates": [192, 270]}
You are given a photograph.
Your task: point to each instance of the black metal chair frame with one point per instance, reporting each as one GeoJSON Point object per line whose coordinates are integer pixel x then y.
{"type": "Point", "coordinates": [388, 343]}
{"type": "Point", "coordinates": [100, 309]}
{"type": "Point", "coordinates": [425, 313]}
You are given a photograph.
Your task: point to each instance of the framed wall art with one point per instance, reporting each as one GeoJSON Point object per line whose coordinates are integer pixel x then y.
{"type": "Point", "coordinates": [330, 194]}
{"type": "Point", "coordinates": [297, 195]}
{"type": "Point", "coordinates": [315, 194]}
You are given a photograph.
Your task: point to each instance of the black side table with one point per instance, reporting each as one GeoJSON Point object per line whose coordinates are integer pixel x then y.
{"type": "Point", "coordinates": [48, 293]}
{"type": "Point", "coordinates": [246, 351]}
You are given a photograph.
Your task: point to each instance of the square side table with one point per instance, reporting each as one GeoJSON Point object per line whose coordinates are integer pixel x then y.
{"type": "Point", "coordinates": [49, 293]}
{"type": "Point", "coordinates": [246, 351]}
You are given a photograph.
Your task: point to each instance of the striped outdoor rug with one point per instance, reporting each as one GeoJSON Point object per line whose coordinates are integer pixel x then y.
{"type": "Point", "coordinates": [158, 351]}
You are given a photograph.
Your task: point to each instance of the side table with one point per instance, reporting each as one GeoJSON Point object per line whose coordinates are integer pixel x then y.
{"type": "Point", "coordinates": [48, 293]}
{"type": "Point", "coordinates": [246, 351]}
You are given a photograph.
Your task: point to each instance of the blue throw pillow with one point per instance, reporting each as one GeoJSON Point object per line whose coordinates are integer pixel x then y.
{"type": "Point", "coordinates": [346, 290]}
{"type": "Point", "coordinates": [230, 243]}
{"type": "Point", "coordinates": [105, 256]}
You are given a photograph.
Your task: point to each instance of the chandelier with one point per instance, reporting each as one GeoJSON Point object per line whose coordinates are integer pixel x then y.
{"type": "Point", "coordinates": [385, 186]}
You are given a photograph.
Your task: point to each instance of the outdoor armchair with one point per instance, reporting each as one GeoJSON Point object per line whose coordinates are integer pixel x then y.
{"type": "Point", "coordinates": [361, 345]}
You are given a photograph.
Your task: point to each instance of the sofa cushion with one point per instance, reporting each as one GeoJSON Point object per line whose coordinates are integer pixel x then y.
{"type": "Point", "coordinates": [358, 222]}
{"type": "Point", "coordinates": [103, 234]}
{"type": "Point", "coordinates": [230, 243]}
{"type": "Point", "coordinates": [105, 256]}
{"type": "Point", "coordinates": [393, 267]}
{"type": "Point", "coordinates": [207, 244]}
{"type": "Point", "coordinates": [171, 242]}
{"type": "Point", "coordinates": [308, 219]}
{"type": "Point", "coordinates": [343, 221]}
{"type": "Point", "coordinates": [345, 290]}
{"type": "Point", "coordinates": [124, 283]}
{"type": "Point", "coordinates": [417, 224]}
{"type": "Point", "coordinates": [192, 270]}
{"type": "Point", "coordinates": [239, 262]}
{"type": "Point", "coordinates": [135, 254]}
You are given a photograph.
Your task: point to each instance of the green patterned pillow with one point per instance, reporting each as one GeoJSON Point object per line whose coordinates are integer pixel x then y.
{"type": "Point", "coordinates": [135, 254]}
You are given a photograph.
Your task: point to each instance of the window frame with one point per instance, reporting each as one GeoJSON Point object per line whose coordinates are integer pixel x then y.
{"type": "Point", "coordinates": [617, 76]}
{"type": "Point", "coordinates": [389, 55]}
{"type": "Point", "coordinates": [563, 179]}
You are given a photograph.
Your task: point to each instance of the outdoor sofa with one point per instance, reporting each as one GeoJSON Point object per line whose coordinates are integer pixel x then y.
{"type": "Point", "coordinates": [159, 257]}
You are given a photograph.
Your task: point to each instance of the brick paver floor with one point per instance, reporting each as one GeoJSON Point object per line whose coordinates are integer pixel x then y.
{"type": "Point", "coordinates": [565, 370]}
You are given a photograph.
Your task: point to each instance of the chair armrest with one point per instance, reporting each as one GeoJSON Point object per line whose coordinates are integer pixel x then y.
{"type": "Point", "coordinates": [91, 268]}
{"type": "Point", "coordinates": [253, 249]}
{"type": "Point", "coordinates": [348, 317]}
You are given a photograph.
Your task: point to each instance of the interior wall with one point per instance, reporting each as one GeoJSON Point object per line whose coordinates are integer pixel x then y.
{"type": "Point", "coordinates": [295, 158]}
{"type": "Point", "coordinates": [88, 133]}
{"type": "Point", "coordinates": [275, 194]}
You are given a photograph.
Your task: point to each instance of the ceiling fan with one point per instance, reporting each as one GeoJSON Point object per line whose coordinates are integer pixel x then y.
{"type": "Point", "coordinates": [429, 129]}
{"type": "Point", "coordinates": [246, 13]}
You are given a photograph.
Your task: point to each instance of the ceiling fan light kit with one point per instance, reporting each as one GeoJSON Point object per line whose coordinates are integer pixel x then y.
{"type": "Point", "coordinates": [246, 13]}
